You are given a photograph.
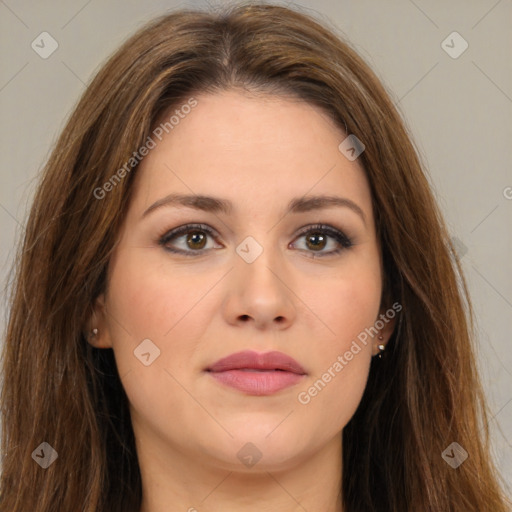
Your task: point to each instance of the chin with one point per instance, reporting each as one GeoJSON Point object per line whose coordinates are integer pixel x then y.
{"type": "Point", "coordinates": [253, 449]}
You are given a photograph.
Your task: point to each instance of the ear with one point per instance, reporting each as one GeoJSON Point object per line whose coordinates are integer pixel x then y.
{"type": "Point", "coordinates": [97, 329]}
{"type": "Point", "coordinates": [386, 331]}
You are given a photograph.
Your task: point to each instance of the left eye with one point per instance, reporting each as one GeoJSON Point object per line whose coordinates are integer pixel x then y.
{"type": "Point", "coordinates": [317, 237]}
{"type": "Point", "coordinates": [195, 236]}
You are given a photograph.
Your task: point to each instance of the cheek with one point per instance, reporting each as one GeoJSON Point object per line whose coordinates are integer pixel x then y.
{"type": "Point", "coordinates": [349, 306]}
{"type": "Point", "coordinates": [334, 394]}
{"type": "Point", "coordinates": [139, 302]}
{"type": "Point", "coordinates": [341, 362]}
{"type": "Point", "coordinates": [355, 307]}
{"type": "Point", "coordinates": [144, 304]}
{"type": "Point", "coordinates": [148, 301]}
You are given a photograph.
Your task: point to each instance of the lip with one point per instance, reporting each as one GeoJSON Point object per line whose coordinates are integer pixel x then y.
{"type": "Point", "coordinates": [257, 374]}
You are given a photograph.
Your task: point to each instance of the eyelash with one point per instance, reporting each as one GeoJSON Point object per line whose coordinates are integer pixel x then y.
{"type": "Point", "coordinates": [343, 240]}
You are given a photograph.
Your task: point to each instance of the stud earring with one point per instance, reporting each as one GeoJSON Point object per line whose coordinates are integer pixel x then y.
{"type": "Point", "coordinates": [94, 332]}
{"type": "Point", "coordinates": [381, 346]}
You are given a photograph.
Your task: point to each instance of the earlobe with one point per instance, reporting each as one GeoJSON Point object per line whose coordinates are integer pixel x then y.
{"type": "Point", "coordinates": [97, 332]}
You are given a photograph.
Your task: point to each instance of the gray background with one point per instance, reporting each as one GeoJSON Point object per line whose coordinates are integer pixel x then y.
{"type": "Point", "coordinates": [458, 110]}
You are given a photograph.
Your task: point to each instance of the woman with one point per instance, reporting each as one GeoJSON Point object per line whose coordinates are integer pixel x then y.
{"type": "Point", "coordinates": [236, 291]}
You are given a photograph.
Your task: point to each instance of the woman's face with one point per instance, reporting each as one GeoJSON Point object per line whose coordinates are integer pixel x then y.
{"type": "Point", "coordinates": [254, 276]}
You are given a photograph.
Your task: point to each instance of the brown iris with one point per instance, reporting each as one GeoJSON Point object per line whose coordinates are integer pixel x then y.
{"type": "Point", "coordinates": [196, 237]}
{"type": "Point", "coordinates": [319, 241]}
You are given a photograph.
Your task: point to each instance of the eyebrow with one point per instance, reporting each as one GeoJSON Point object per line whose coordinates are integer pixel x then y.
{"type": "Point", "coordinates": [217, 205]}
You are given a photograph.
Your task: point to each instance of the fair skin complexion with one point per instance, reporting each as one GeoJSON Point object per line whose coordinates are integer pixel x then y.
{"type": "Point", "coordinates": [258, 152]}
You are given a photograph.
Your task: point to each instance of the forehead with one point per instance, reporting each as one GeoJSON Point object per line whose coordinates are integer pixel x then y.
{"type": "Point", "coordinates": [248, 148]}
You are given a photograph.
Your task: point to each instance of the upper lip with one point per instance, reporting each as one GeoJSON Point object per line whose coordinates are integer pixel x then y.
{"type": "Point", "coordinates": [248, 359]}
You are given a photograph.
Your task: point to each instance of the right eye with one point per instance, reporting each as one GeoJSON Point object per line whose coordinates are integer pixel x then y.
{"type": "Point", "coordinates": [194, 239]}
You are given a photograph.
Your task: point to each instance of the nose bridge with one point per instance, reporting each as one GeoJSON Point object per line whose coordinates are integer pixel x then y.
{"type": "Point", "coordinates": [259, 260]}
{"type": "Point", "coordinates": [260, 290]}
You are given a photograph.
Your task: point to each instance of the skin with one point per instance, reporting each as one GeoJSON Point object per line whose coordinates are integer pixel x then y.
{"type": "Point", "coordinates": [259, 152]}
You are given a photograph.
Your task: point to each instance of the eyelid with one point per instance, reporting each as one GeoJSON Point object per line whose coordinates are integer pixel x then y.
{"type": "Point", "coordinates": [342, 239]}
{"type": "Point", "coordinates": [185, 228]}
{"type": "Point", "coordinates": [330, 230]}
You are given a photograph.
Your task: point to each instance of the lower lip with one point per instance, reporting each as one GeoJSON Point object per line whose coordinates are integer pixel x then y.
{"type": "Point", "coordinates": [257, 383]}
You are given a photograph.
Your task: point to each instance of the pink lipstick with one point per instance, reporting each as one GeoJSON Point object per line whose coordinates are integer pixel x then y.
{"type": "Point", "coordinates": [257, 374]}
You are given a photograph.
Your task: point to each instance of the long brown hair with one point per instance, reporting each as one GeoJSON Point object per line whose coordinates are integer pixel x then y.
{"type": "Point", "coordinates": [422, 396]}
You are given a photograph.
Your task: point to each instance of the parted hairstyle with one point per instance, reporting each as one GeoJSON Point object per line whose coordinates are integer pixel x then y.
{"type": "Point", "coordinates": [423, 395]}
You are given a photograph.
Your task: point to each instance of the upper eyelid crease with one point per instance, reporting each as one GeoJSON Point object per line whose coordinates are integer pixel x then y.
{"type": "Point", "coordinates": [217, 205]}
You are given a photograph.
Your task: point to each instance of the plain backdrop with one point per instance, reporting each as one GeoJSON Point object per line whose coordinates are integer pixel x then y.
{"type": "Point", "coordinates": [456, 102]}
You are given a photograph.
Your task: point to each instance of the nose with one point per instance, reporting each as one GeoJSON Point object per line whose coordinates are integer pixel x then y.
{"type": "Point", "coordinates": [260, 293]}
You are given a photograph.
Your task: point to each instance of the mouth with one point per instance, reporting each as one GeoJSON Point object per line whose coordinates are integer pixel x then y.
{"type": "Point", "coordinates": [257, 374]}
